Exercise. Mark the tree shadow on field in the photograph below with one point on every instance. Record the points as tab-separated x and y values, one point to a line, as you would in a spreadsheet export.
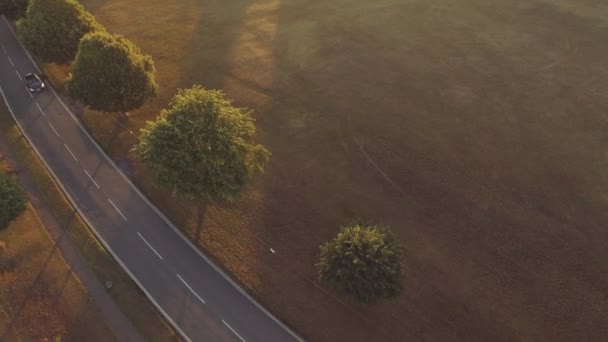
317	179
117	126
93	5
191	42
201	209
202	56
32	293
207	57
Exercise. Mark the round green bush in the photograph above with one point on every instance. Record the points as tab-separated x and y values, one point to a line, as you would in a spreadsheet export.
364	262
12	199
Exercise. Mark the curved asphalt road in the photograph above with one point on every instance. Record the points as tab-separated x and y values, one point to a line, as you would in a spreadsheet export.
201	301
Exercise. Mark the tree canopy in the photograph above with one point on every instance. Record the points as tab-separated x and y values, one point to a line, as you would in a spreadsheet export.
364	262
111	74
13	9
52	29
12	199
201	146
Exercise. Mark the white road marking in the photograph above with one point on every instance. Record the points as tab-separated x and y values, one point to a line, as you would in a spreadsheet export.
233	331
11	61
191	290
28	92
118	210
40	108
53	128
18	41
91	178
273	251
89	223
67	148
156	210
149	245
4	49
18	74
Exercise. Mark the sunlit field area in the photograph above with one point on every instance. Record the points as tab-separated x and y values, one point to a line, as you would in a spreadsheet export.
476	129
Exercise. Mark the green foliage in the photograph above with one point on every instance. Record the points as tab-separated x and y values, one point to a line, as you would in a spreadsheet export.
13	9
12	199
111	74
202	147
52	29
363	261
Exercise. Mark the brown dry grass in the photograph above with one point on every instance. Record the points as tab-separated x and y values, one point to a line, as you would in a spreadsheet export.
40	297
475	129
126	294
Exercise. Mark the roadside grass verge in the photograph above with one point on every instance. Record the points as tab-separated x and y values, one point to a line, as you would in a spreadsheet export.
40	297
124	292
56	74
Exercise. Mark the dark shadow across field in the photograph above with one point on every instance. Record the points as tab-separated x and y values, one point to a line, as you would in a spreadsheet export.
476	130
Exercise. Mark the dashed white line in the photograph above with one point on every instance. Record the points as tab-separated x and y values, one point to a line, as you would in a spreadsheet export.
4	49
91	178
11	61
149	245
28	92
233	331
18	74
145	199
191	290
118	210
67	148
54	130
105	244
40	108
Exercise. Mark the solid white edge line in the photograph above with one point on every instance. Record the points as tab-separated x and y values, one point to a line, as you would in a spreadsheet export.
40	108
91	226
10	61
191	290
233	331
150	246
26	52
118	210
91	178
158	212
53	128
18	75
67	148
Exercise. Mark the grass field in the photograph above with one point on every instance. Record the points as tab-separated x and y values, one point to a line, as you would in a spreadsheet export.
476	129
124	292
40	297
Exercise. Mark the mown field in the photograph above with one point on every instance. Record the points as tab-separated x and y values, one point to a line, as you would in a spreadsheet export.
40	297
475	129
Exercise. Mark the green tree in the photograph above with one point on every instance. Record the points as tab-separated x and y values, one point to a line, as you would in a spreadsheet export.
12	199
13	9
202	147
52	29
111	74
364	262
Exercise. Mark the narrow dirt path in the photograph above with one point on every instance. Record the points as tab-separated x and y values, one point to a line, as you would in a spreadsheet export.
116	320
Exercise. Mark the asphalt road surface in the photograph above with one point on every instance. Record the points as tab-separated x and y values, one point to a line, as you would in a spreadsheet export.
200	301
